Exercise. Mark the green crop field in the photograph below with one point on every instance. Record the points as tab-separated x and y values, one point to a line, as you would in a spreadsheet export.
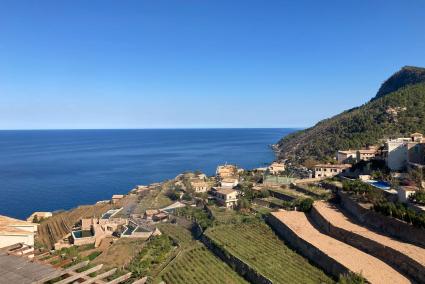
258	246
194	263
181	235
198	265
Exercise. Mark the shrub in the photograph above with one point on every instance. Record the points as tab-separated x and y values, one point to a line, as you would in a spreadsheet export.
352	278
305	205
401	212
187	197
418	197
172	194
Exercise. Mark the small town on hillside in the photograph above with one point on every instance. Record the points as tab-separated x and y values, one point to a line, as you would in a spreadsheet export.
358	219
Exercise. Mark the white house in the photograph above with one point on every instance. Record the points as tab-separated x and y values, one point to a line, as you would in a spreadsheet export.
14	231
229	182
401	151
404	192
329	170
276	168
226	197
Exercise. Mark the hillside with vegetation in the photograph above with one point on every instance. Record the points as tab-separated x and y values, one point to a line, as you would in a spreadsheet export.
397	110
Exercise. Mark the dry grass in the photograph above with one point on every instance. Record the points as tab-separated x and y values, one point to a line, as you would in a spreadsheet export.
59	225
120	253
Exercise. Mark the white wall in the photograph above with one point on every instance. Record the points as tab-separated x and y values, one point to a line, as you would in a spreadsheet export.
8	240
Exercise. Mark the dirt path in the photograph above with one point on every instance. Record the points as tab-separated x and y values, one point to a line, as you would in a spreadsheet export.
373	269
338	219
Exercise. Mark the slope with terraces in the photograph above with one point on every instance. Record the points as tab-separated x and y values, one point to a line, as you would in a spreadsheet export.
406	258
334	256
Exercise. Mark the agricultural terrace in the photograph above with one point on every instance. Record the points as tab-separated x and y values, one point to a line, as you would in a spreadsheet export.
198	265
59	225
153	257
316	191
153	199
194	263
179	234
120	253
289	192
224	216
257	245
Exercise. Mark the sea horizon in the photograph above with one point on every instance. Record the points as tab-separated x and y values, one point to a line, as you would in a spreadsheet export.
49	170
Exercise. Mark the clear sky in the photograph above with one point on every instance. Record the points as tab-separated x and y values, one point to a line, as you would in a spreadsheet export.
198	63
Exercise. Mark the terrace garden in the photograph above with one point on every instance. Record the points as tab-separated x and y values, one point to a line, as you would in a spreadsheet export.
256	244
199	265
194	263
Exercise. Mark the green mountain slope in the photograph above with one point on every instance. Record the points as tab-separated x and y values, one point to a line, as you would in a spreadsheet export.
398	109
408	75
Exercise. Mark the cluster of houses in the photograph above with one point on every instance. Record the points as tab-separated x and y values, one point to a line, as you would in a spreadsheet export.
400	154
94	230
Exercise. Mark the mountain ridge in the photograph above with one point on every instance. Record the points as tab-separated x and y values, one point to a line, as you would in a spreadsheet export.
397	109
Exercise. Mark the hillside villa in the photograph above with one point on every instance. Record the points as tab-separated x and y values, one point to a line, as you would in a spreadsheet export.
14	231
401	152
276	168
350	156
229	182
226	171
225	197
200	185
404	192
116	198
329	170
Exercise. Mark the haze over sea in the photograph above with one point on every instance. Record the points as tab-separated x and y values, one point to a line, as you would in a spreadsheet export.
47	170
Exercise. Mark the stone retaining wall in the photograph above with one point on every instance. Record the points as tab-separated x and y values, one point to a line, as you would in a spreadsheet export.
237	264
320	259
281	196
394	258
388	225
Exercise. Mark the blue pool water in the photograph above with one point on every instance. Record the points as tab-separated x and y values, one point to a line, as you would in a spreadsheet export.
60	169
380	184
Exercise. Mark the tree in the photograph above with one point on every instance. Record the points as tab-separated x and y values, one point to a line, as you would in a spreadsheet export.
243	203
35	219
187	196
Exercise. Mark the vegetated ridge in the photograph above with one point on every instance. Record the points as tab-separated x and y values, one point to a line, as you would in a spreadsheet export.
397	109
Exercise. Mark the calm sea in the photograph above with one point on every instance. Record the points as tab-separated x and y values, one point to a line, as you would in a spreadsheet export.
60	169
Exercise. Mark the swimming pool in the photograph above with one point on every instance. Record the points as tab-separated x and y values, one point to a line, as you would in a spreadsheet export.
82	234
380	184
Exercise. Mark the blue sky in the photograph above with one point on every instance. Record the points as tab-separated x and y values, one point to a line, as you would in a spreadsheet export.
183	64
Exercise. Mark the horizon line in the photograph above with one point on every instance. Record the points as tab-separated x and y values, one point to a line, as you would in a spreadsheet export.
158	128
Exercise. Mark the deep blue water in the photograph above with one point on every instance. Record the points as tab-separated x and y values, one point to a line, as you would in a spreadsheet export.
48	170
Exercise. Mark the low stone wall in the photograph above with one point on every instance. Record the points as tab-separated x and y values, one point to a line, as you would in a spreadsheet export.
304	191
237	264
394	258
391	226
316	256
281	196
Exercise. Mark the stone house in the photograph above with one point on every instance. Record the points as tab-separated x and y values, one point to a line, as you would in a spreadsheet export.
329	170
226	197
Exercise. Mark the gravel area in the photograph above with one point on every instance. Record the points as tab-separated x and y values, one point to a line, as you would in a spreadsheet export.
333	215
373	269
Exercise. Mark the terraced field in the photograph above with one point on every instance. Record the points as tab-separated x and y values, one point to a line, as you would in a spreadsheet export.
199	265
194	263
59	225
258	246
176	232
